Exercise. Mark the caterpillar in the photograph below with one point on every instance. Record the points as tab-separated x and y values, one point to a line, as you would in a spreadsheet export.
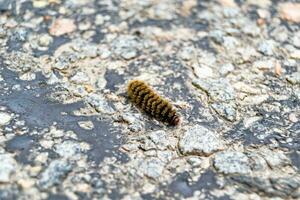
145	98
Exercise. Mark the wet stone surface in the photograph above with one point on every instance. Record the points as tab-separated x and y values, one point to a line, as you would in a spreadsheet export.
231	69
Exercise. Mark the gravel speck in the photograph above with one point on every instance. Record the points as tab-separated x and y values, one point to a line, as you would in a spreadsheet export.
88	125
5	118
45	40
266	47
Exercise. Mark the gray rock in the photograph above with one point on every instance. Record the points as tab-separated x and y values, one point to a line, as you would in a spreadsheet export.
274	158
203	71
230	162
217	36
67	149
45	40
198	140
99	103
104	53
65	59
52	79
222	93
258	163
187	53
280	33
99	19
7	167
266	47
166	156
20	35
251	29
249	121
126	46
226	110
5	118
21	62
6	5
159	138
163	11
87	125
297	93
147	145
232	31
89	50
296	39
264	64
54	173
273	187
28	76
217	89
194	161
129	54
246	53
227	68
135	127
230	42
155	140
230	12
80	77
294	78
135	124
152	167
85	49
2	32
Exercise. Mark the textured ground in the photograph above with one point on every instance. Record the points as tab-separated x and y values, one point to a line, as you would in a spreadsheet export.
68	131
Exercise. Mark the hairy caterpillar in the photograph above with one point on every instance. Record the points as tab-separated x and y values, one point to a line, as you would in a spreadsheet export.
150	102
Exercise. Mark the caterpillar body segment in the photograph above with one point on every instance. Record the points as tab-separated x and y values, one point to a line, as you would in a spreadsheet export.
145	98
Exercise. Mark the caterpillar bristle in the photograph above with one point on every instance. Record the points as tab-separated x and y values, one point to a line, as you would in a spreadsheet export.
144	97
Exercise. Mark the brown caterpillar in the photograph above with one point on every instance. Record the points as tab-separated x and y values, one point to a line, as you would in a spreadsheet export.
150	102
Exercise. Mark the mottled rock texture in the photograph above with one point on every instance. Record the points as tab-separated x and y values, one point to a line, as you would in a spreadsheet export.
230	68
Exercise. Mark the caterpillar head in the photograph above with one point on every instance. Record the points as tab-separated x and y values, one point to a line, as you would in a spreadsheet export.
175	120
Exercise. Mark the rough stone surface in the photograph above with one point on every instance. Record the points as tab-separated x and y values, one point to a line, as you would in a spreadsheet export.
230	68
199	140
230	162
218	90
54	173
4	118
153	168
7	167
99	103
294	78
68	149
